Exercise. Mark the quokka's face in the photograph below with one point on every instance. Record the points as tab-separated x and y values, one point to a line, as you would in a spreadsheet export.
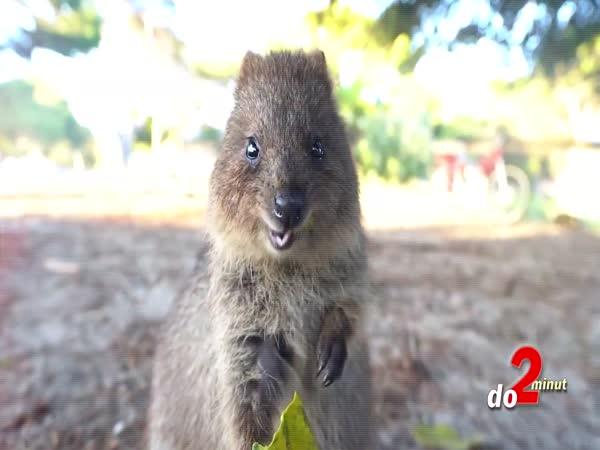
284	184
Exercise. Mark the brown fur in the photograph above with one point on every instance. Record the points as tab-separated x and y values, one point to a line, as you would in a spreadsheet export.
260	323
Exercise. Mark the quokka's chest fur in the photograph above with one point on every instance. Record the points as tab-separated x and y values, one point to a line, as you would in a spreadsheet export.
287	302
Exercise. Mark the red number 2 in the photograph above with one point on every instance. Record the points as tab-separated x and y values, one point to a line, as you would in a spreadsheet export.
535	368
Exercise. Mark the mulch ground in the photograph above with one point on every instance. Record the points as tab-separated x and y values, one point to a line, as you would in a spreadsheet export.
81	301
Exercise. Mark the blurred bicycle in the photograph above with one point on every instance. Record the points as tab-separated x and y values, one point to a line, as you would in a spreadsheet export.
505	187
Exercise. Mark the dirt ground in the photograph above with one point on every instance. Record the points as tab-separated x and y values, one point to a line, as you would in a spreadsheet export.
81	301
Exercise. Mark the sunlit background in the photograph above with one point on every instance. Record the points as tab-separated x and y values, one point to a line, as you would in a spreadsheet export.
475	125
132	96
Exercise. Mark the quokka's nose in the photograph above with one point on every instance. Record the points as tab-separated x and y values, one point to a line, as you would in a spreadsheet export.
288	208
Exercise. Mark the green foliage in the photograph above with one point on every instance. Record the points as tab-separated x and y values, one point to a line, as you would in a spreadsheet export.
215	70
389	135
210	134
401	17
541	208
386	148
48	123
351	30
440	437
72	31
143	132
390	141
584	73
588	58
75	28
293	432
51	126
72	4
391	122
339	29
462	128
83	24
550	40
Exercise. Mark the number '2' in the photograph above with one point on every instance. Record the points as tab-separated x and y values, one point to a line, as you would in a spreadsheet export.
535	368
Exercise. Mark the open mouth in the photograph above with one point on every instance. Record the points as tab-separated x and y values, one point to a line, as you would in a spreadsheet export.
281	240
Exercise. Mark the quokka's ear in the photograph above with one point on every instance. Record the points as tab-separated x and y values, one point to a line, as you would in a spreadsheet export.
318	62
319	58
250	65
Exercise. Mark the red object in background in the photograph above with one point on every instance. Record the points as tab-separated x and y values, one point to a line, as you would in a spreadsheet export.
488	162
452	164
455	165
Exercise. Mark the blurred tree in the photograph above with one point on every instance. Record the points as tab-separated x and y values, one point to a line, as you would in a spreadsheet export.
549	31
391	148
48	125
461	128
385	110
587	66
75	28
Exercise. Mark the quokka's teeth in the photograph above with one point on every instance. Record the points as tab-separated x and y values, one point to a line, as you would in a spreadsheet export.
282	240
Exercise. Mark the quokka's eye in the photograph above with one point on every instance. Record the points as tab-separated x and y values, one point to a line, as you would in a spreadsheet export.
252	150
318	149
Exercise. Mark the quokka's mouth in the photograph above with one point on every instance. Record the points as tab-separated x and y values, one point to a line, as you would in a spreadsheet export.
281	240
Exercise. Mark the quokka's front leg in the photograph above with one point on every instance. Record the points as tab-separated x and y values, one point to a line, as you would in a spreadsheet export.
256	382
332	346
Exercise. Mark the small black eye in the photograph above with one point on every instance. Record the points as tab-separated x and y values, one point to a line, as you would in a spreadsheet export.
252	150
318	149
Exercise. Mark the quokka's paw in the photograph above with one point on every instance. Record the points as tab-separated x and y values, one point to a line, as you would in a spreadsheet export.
331	357
271	361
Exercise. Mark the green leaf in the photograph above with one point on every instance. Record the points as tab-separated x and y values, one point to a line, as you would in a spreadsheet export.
440	437
293	432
